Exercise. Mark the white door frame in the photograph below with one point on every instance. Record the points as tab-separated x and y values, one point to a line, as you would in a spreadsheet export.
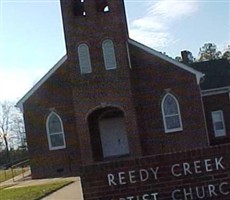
113	136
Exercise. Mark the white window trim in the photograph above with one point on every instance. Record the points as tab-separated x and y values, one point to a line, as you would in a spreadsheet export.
213	124
89	67
48	133
164	117
104	55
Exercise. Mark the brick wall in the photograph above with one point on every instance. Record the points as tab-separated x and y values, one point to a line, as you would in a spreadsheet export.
54	95
151	79
197	174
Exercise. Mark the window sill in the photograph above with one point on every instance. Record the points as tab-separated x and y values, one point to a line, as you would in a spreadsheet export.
220	136
108	69
56	148
174	130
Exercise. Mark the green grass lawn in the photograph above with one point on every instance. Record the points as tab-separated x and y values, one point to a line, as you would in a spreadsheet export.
7	174
31	192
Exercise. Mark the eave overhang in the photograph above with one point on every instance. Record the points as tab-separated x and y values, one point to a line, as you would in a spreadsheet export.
40	82
198	74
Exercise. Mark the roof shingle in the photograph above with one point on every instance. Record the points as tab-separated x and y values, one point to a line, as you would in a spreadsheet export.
217	73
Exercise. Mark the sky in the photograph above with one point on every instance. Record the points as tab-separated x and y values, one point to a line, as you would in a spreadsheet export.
32	39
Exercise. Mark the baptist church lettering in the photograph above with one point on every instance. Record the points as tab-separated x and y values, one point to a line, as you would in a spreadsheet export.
151	196
202	192
177	170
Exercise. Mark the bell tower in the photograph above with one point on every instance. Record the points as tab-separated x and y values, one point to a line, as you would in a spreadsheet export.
92	21
96	37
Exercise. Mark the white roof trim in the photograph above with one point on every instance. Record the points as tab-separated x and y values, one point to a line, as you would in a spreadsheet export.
215	91
40	82
198	74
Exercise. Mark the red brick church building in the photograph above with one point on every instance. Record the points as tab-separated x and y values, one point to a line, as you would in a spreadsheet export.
110	97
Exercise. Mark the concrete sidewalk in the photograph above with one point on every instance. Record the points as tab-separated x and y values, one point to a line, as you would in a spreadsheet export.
72	191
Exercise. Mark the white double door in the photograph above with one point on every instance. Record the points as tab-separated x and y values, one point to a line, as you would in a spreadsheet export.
113	137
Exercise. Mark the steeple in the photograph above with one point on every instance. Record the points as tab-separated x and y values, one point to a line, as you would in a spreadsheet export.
98	60
92	21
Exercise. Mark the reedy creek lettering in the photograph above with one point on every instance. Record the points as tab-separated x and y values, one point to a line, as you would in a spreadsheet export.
133	176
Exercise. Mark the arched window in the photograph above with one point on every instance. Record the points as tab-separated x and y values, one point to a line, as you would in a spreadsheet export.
171	113
55	132
84	59
109	55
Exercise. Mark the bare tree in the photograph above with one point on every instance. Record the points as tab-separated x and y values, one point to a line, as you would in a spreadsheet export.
5	125
19	129
11	124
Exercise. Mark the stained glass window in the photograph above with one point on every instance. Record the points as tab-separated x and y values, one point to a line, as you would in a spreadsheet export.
171	114
55	132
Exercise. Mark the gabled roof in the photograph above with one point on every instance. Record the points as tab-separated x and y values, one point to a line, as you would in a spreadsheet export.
40	82
198	74
217	73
